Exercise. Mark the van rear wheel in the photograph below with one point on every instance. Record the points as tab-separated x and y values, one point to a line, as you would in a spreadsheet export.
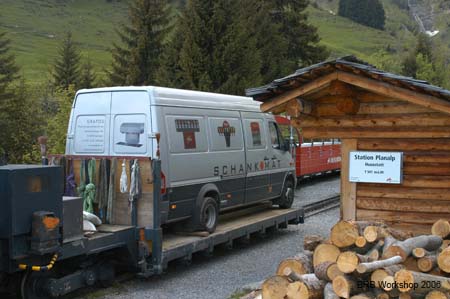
207	216
287	195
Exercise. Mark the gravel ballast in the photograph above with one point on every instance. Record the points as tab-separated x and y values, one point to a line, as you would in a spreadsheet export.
228	270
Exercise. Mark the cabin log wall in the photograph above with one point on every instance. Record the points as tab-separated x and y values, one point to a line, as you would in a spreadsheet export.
387	124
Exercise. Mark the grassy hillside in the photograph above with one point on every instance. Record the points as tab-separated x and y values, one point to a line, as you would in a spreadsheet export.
36	28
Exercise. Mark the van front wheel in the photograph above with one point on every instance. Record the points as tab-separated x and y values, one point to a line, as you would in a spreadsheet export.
209	215
287	195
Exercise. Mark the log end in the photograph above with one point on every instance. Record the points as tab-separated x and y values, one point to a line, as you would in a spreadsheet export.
405	280
341	287
347	262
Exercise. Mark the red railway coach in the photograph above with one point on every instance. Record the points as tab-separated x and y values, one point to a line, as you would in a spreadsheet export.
312	156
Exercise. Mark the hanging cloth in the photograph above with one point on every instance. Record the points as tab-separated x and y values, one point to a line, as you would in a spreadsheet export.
82	187
90	188
70	181
101	197
111	192
124	178
136	183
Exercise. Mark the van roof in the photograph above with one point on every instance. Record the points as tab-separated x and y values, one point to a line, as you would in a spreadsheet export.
186	98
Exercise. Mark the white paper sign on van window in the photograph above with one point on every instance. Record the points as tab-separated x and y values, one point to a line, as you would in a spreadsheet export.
90	134
376	167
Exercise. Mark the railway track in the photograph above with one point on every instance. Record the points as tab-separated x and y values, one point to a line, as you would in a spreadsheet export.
321	206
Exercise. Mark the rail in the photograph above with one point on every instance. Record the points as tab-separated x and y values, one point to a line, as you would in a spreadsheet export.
321	206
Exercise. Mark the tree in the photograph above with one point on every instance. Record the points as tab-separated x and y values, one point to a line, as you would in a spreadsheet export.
8	74
212	49
8	68
424	46
57	124
136	59
302	38
66	69
227	46
87	76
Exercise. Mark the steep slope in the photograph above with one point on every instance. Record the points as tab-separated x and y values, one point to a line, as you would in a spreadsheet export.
36	28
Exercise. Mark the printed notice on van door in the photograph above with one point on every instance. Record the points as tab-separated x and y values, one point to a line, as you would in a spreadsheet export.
90	134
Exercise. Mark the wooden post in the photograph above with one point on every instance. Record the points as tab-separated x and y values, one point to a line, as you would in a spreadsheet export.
348	189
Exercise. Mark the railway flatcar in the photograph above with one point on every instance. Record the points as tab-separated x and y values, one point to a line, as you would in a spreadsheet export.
312	156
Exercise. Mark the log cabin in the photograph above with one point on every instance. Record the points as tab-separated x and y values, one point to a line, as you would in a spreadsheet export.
372	110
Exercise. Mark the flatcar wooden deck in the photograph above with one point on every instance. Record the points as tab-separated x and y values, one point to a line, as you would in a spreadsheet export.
231	226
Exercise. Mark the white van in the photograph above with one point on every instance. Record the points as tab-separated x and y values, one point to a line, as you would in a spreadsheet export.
217	151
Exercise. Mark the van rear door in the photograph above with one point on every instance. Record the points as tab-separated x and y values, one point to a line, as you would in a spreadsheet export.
130	123
88	132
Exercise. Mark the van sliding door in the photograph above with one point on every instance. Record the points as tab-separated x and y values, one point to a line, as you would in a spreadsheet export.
258	176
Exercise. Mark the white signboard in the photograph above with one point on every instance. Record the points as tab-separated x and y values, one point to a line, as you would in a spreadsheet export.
376	167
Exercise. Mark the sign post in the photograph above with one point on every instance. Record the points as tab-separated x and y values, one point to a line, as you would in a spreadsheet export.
376	167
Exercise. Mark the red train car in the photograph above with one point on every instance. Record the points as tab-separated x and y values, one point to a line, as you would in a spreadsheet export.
312	156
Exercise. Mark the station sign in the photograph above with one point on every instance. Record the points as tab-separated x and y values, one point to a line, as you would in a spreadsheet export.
376	167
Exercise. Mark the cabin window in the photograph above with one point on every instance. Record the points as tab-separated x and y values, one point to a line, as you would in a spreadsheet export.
225	134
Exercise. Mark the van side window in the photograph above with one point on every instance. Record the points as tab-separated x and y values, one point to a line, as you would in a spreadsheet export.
186	134
255	133
274	135
225	134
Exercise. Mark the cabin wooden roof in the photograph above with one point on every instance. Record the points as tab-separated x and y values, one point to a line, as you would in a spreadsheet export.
306	82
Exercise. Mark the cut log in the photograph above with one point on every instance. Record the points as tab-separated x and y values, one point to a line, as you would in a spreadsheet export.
325	253
419	252
441	228
344	233
307	286
275	287
374	252
324	271
388	283
371	233
404	248
361	242
444	260
411	264
427	263
328	292
420	282
327	271
379	275
296	277
300	264
345	286
437	295
310	242
388	241
371	266
349	260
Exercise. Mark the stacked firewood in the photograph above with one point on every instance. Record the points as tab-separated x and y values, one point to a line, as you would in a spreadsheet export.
365	260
